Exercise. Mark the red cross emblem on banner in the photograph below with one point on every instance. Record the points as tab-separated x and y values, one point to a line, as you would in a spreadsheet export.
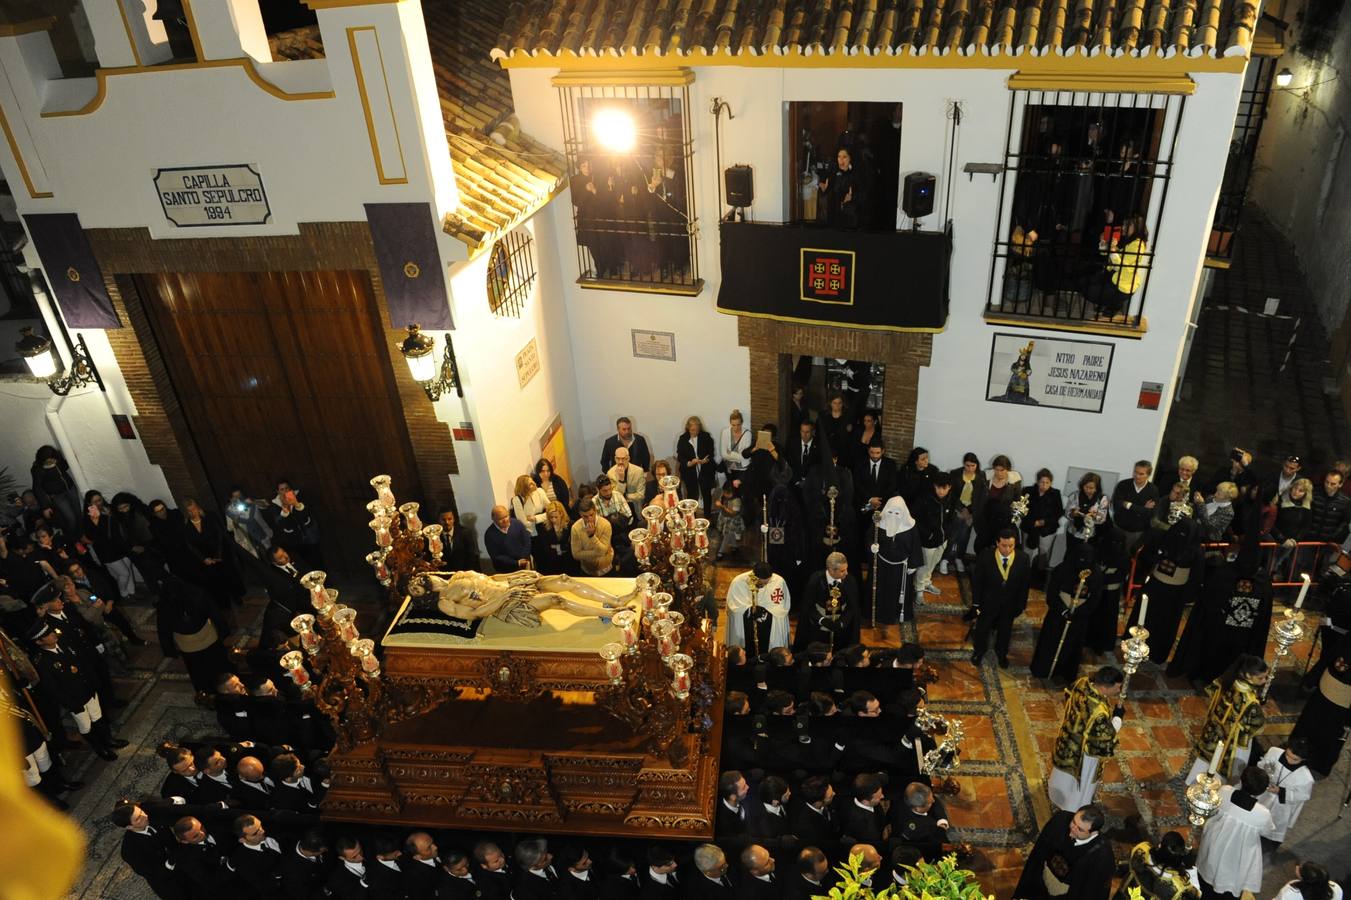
828	275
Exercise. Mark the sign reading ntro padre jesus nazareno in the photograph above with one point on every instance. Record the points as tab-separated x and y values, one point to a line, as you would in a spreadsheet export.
197	196
1040	371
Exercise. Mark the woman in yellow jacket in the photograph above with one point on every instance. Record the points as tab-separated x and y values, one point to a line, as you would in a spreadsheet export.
1128	260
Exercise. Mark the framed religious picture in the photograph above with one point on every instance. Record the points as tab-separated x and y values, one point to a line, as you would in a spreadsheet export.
1040	371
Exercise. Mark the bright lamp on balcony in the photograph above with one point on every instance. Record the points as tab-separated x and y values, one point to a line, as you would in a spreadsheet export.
419	351
615	130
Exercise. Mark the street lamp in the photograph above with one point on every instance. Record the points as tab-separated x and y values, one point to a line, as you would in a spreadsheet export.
37	353
419	351
1284	77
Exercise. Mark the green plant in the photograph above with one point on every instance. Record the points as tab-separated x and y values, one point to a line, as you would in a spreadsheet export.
927	881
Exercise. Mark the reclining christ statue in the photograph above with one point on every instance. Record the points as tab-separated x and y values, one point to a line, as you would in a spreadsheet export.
515	597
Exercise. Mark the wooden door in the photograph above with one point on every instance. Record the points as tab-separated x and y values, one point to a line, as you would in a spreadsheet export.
286	375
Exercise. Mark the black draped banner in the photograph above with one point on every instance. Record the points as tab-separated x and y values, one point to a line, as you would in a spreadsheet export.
891	280
72	271
404	235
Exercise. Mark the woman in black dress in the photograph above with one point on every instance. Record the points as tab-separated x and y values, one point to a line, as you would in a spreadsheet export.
553	543
214	552
694	454
555	488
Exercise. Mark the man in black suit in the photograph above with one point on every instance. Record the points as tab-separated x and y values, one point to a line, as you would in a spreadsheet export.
621	877
817	621
287	598
874	483
767	821
624	436
256	858
810	875
999	583
709	881
293	789
729	821
861	819
421	869
459	546
803	452
661	882
1133	503
197	860
812	817
758	881
384	871
455	881
921	821
145	850
347	881
536	878
304	867
493	876
253	789
575	880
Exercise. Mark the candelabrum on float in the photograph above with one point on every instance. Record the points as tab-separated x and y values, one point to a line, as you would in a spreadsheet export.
1288	632
1203	794
1135	649
660	672
336	668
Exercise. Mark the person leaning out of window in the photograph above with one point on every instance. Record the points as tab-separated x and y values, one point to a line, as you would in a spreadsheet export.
1128	258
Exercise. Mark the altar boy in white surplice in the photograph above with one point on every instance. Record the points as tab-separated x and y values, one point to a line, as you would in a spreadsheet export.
1230	860
1291	784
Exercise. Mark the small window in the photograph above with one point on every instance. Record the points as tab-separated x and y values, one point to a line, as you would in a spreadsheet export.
629	150
1089	174
865	137
511	273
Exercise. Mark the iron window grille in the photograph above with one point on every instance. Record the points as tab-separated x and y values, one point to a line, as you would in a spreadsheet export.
511	273
1078	166
1252	113
633	211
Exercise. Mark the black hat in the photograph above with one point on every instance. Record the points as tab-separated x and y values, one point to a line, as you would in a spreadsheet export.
38	630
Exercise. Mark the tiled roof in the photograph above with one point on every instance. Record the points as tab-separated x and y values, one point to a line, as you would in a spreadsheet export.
503	175
849	28
299	43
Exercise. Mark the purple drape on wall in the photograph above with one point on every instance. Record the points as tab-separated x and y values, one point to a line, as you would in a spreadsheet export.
404	235
72	271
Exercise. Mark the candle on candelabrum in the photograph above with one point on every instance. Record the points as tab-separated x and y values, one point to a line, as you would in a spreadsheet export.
1303	590
410	517
626	620
433	535
614	668
670	485
1134	651
376	560
680	664
304	626
383	493
294	664
364	650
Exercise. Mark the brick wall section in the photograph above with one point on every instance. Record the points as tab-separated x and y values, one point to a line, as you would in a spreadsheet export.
319	246
903	354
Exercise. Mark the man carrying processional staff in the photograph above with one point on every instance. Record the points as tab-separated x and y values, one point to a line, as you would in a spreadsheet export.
1088	735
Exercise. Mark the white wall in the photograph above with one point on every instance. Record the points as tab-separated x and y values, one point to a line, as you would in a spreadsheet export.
508	419
953	415
314	155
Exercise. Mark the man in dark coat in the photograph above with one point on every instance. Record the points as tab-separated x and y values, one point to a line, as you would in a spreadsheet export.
304	867
287	598
624	436
145	850
803	452
861	821
1071	596
999	584
818	620
459	545
1133	502
812	817
1071	856
256	858
709	881
1232	617
875	480
758	881
920	820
